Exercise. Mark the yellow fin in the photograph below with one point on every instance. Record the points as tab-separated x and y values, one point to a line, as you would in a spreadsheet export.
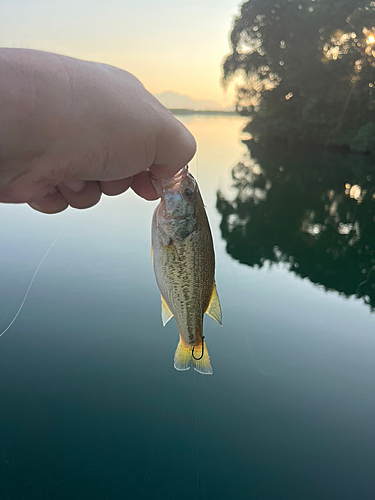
214	308
201	363
166	314
182	356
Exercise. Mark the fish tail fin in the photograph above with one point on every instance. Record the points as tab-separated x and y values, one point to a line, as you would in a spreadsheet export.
182	356
201	359
185	353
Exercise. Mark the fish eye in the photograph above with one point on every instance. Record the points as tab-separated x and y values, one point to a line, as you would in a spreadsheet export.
188	193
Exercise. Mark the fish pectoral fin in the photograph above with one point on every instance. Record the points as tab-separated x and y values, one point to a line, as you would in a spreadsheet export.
175	250
165	239
182	356
166	313
214	308
201	360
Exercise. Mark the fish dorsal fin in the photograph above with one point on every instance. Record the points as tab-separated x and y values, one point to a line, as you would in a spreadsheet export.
166	314
214	308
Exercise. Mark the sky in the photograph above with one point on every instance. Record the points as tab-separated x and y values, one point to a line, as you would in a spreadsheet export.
170	45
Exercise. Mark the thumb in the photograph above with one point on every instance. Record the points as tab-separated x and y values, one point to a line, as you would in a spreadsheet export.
175	148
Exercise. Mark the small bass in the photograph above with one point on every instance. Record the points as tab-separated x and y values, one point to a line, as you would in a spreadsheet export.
184	264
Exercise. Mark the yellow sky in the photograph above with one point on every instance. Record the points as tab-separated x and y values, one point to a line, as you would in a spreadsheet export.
170	45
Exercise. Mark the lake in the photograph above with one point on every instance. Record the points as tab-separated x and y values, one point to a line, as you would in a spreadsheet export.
91	406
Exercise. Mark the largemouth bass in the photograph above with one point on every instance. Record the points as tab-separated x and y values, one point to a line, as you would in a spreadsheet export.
184	264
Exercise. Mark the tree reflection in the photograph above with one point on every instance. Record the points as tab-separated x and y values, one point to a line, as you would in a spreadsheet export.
313	210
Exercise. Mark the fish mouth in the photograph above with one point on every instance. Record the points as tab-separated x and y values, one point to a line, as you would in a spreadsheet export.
162	185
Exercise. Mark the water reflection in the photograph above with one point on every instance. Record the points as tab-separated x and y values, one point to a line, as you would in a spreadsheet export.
312	209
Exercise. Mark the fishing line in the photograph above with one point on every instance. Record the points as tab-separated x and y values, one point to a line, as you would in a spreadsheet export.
199	439
196	161
148	476
19	287
196	436
31	282
203	461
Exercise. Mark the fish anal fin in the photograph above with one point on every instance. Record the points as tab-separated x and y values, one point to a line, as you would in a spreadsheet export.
182	356
166	313
214	308
201	361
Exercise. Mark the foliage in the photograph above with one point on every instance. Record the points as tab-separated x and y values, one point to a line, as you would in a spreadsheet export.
365	139
311	209
308	68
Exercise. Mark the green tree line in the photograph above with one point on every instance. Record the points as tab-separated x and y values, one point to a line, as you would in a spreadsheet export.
306	70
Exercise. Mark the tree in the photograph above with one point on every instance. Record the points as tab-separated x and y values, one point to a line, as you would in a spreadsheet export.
308	70
313	210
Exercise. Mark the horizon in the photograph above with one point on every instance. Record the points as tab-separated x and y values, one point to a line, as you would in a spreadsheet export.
175	100
169	47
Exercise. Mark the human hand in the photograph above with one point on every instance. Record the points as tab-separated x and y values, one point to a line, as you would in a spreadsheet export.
71	130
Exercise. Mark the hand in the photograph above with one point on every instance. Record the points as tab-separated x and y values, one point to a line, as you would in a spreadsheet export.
71	130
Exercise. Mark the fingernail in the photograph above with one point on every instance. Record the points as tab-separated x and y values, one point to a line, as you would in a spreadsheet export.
75	185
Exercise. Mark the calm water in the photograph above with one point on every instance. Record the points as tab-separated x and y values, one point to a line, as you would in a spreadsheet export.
91	407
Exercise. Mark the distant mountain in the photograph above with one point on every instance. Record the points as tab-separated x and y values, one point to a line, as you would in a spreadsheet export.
172	100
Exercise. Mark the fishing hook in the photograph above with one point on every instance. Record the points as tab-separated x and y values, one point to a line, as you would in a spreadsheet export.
192	351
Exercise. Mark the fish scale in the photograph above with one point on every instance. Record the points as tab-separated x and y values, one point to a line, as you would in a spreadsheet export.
184	266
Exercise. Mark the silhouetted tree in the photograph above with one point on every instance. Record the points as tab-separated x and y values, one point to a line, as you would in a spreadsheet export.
308	70
313	210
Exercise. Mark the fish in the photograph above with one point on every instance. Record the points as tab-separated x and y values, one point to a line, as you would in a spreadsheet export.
183	260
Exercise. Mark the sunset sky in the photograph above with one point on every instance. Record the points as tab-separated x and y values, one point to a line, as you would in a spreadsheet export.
169	45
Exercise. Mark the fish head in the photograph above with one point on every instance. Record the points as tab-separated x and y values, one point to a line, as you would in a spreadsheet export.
177	211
